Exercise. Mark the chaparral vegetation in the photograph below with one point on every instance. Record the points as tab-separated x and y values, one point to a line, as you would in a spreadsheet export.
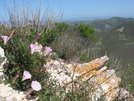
31	38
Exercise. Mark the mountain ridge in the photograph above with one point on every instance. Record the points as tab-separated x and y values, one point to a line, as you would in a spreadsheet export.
102	24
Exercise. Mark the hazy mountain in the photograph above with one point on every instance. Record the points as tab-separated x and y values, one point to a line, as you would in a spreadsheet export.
86	18
120	41
102	24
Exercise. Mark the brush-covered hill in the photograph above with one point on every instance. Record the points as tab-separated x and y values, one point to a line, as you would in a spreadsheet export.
102	24
116	39
120	41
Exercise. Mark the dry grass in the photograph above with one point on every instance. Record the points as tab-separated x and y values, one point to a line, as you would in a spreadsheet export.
73	47
21	15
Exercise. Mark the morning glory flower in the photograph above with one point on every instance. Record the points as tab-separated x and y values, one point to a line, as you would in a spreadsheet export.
43	69
31	21
37	37
5	38
26	75
3	23
34	48
16	77
47	50
36	86
11	33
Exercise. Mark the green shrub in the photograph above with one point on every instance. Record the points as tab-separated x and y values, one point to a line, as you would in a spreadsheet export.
20	59
86	31
61	27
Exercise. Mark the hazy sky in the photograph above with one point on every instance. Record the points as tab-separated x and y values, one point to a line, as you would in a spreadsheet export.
83	8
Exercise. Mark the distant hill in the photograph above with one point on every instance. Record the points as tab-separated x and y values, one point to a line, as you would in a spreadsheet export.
120	41
116	37
102	24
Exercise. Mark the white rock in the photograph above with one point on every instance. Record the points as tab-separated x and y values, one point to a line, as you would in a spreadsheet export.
2	52
1	76
105	86
16	95
2	55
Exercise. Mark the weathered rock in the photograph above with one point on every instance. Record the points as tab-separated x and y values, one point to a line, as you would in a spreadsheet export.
102	81
120	29
2	57
2	62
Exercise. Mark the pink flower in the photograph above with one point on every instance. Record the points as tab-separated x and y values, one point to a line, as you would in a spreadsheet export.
43	69
5	38
47	50
11	33
31	21
34	48
35	87
37	37
16	77
3	23
26	75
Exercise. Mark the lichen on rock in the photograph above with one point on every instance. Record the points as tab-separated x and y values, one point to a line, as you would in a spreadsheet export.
102	81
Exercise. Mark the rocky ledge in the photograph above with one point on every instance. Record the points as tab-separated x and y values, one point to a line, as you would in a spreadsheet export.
102	81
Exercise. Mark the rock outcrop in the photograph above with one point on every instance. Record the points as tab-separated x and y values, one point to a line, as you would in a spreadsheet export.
120	29
101	81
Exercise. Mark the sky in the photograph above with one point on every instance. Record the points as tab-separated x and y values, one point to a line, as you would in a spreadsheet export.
81	8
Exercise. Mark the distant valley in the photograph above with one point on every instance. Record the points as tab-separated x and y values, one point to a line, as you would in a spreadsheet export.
116	40
116	36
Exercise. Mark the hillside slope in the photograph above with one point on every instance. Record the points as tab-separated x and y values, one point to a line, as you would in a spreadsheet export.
120	41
